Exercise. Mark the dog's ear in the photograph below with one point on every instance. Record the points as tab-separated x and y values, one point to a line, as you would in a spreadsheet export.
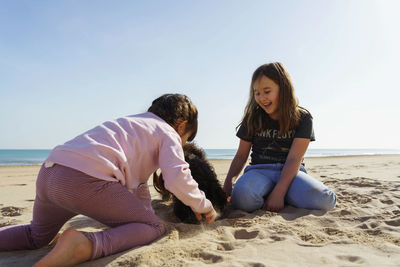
192	149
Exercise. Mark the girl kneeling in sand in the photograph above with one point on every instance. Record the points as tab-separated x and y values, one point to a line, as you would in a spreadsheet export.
103	174
278	131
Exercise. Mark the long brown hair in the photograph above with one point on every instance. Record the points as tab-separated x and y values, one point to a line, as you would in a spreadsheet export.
174	108
255	118
158	183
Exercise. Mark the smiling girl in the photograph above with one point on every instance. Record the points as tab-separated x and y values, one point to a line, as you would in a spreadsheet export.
278	131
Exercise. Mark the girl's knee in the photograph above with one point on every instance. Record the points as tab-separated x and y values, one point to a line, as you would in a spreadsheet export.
330	200
327	200
314	199
245	199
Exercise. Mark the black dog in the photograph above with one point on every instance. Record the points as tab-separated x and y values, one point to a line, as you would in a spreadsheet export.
203	173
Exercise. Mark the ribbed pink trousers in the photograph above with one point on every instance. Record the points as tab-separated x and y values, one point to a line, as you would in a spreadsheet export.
62	193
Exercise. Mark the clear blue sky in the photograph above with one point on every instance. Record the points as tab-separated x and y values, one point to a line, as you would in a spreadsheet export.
67	66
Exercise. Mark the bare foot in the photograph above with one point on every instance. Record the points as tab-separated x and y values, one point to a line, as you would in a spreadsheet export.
72	248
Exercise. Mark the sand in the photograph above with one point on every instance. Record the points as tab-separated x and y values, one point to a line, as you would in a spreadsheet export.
363	229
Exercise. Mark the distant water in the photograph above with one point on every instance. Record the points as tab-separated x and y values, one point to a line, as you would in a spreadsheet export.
23	156
37	156
318	152
230	153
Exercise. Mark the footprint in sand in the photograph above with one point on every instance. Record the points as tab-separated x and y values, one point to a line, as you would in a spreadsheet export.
365	218
360	199
366	226
354	259
374	224
359	166
386	201
277	238
363	226
332	231
244	234
255	264
226	246
11	211
209	257
236	214
396	212
393	222
374	232
344	212
376	192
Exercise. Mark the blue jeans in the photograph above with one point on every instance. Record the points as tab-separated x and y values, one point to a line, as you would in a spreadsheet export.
257	181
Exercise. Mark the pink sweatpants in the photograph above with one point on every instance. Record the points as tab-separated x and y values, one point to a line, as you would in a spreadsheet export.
62	193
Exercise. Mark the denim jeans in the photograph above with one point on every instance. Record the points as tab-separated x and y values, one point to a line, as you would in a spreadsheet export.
257	181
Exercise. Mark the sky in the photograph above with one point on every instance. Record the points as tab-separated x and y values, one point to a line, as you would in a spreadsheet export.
67	66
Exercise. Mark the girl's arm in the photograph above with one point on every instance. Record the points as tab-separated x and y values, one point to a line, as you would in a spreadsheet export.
177	177
276	199
237	165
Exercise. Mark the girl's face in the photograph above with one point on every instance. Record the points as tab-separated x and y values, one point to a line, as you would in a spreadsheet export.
266	94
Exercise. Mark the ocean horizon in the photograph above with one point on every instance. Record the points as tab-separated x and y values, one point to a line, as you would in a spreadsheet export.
12	157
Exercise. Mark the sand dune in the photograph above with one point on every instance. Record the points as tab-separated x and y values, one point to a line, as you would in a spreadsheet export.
363	229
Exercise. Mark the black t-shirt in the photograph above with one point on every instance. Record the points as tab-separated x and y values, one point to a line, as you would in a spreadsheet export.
268	146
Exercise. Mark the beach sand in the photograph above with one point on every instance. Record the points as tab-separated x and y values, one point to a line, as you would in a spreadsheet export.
363	229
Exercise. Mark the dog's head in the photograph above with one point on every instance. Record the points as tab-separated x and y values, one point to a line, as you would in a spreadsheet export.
192	151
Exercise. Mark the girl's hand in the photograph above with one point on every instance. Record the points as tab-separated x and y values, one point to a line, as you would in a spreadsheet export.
275	201
210	216
228	187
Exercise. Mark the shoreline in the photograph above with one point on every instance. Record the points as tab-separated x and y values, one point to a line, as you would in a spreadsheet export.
222	160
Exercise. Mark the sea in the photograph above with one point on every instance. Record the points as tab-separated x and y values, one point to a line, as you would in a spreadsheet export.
9	157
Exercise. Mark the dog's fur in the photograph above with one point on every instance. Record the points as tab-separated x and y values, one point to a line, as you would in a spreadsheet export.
203	173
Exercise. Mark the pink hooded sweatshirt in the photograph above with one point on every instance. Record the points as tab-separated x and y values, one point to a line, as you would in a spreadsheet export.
129	150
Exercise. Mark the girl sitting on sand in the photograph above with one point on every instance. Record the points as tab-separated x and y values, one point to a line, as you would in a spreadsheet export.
103	174
278	131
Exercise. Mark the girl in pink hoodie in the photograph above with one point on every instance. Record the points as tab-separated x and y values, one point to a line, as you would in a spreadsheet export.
103	174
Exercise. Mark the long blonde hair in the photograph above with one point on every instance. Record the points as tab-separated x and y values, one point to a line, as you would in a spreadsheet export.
255	118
